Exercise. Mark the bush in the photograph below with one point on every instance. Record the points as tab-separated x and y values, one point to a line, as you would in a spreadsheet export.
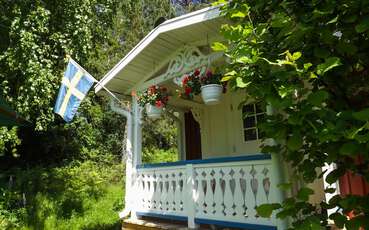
154	155
78	196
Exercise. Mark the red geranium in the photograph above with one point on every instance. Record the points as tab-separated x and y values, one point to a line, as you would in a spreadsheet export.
188	91
154	95
185	80
159	104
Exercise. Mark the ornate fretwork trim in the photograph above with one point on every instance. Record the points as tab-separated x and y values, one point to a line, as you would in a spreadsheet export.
186	60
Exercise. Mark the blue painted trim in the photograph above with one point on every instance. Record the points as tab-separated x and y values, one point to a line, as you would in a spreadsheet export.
254	157
169	217
235	224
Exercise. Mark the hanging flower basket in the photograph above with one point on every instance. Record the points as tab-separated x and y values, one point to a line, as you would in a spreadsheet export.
153	111
211	94
154	99
208	84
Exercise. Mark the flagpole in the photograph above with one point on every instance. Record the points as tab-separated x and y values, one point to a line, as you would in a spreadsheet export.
96	81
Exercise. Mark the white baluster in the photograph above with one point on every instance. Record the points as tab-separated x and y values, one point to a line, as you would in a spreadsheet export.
201	192
149	190
157	192
238	196
208	200
250	198
170	196
218	194
177	192
228	199
163	194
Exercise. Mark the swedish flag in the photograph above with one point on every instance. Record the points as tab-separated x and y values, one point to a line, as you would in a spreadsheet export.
75	85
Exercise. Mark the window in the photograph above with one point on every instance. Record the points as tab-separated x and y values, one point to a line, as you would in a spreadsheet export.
252	113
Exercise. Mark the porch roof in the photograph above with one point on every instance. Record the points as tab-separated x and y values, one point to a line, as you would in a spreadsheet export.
155	50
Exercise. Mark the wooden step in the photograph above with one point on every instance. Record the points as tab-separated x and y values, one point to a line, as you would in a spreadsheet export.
151	224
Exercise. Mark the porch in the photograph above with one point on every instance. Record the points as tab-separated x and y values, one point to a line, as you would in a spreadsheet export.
222	176
219	191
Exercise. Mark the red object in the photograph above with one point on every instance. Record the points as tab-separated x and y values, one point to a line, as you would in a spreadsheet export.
188	90
185	80
354	184
152	89
159	104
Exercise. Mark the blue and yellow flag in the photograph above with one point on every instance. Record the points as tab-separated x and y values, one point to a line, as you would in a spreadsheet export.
75	85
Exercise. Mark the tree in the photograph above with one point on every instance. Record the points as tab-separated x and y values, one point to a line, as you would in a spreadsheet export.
36	36
309	60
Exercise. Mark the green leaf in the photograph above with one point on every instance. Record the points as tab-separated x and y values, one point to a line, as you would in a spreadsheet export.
304	193
307	66
363	115
329	64
339	219
349	148
296	55
334	20
240	83
244	60
330	190
218	46
294	142
362	26
238	14
318	97
266	210
226	78
333	176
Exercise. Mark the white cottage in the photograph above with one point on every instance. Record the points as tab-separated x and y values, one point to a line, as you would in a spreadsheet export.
221	175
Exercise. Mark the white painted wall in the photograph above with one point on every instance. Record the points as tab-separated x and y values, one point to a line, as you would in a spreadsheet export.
222	129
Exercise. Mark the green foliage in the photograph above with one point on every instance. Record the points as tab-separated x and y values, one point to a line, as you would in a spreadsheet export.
159	134
36	36
9	140
78	196
308	60
155	155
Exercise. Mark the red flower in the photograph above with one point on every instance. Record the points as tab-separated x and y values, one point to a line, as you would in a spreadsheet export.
159	104
197	72
185	80
152	90
188	90
209	73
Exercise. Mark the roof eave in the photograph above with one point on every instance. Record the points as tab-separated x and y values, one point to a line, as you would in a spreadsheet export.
172	24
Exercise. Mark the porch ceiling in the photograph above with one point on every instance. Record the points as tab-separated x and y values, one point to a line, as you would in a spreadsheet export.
149	55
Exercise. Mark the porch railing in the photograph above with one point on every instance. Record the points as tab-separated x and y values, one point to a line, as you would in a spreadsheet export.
221	191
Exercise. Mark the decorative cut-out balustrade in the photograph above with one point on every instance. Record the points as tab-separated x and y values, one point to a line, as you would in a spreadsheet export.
208	190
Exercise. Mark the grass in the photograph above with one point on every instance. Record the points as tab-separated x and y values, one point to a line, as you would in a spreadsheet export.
100	213
80	196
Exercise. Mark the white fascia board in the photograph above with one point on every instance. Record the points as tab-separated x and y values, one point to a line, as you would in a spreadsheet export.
172	24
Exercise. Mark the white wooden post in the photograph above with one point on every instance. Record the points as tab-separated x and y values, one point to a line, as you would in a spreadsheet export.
129	151
189	197
137	151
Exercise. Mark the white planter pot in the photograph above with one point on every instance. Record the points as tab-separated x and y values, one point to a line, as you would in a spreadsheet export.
153	112
211	94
